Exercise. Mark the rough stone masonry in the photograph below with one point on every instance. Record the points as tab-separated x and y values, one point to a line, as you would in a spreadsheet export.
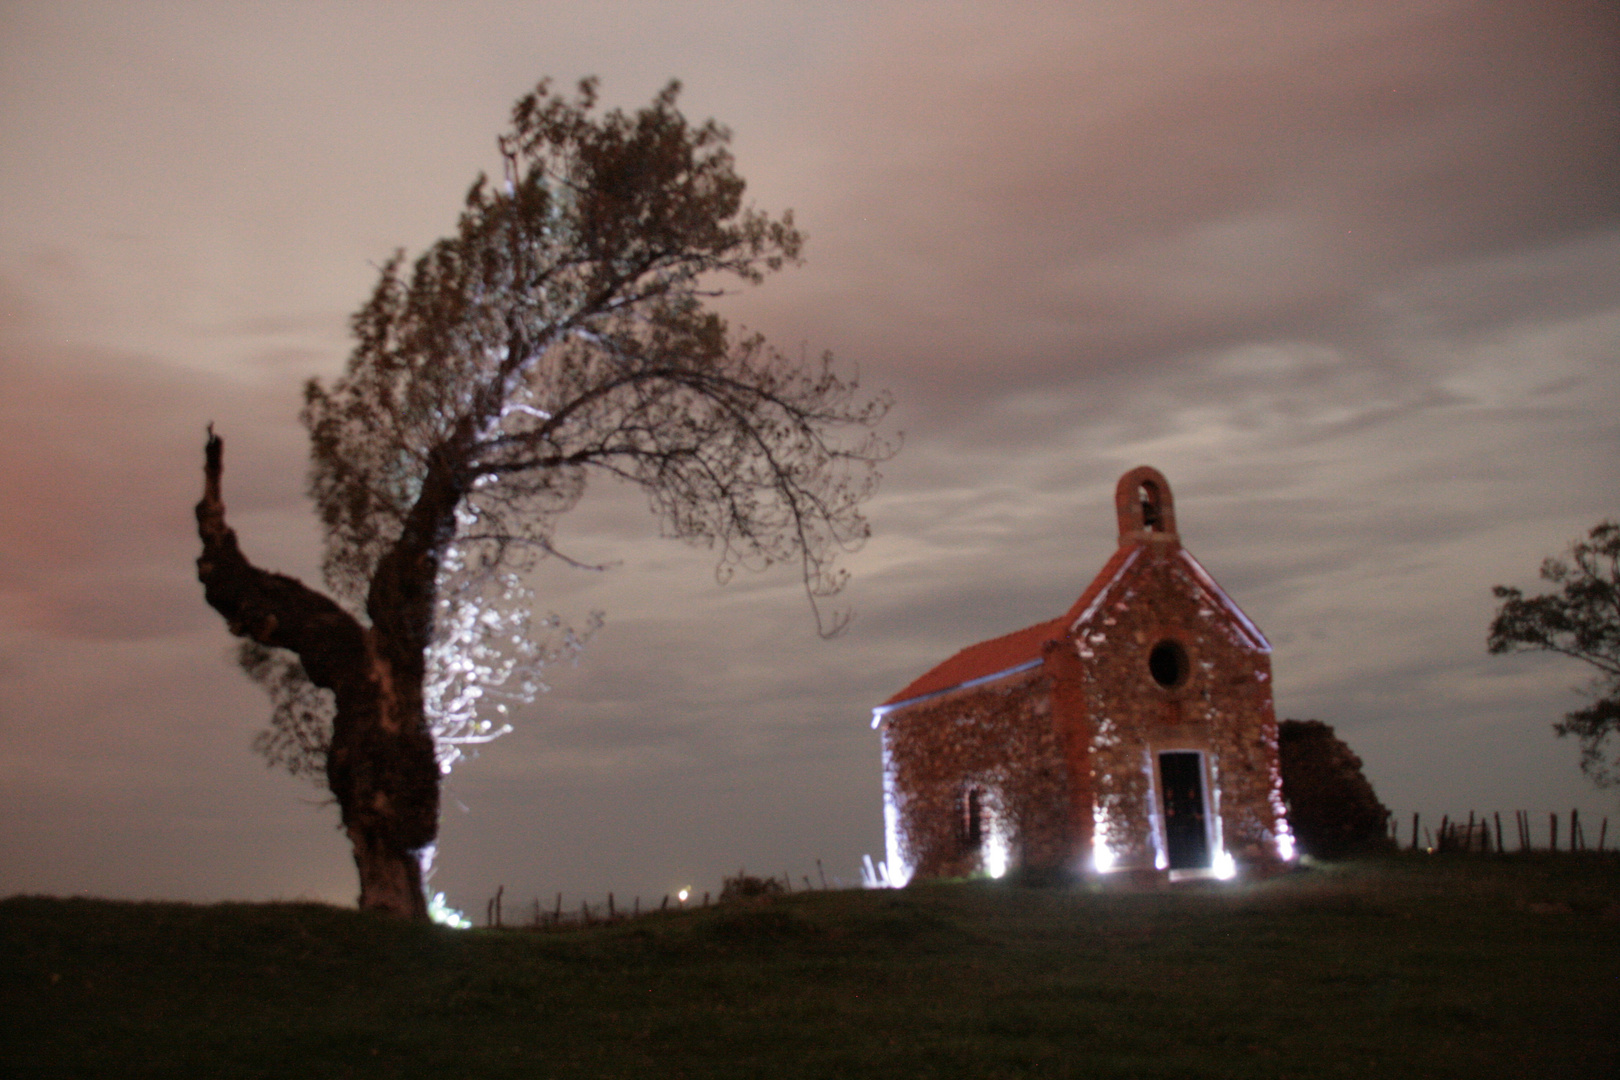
1135	732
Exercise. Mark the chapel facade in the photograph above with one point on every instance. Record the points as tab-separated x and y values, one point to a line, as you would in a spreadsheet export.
1134	732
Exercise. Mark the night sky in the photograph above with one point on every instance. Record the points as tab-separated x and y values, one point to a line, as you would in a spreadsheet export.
1347	273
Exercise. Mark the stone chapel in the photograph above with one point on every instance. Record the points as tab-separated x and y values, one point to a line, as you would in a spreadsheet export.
1134	732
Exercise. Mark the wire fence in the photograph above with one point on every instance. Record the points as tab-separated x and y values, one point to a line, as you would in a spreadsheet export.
1486	833
556	915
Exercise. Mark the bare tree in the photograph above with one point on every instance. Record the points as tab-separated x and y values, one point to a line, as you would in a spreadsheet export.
1582	621
561	332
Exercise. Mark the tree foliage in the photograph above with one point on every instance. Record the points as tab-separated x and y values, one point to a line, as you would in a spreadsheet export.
561	333
299	734
1332	807
1581	620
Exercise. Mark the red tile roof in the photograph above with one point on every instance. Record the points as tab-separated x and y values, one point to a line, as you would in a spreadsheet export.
985	658
1000	654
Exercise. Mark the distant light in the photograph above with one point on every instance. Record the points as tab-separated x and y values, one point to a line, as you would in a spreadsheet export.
1285	846
683	894
1103	857
1225	867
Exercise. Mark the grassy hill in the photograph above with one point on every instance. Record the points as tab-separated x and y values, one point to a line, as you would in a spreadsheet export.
1437	966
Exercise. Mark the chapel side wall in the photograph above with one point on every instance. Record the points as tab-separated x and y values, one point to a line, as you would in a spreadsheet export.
999	736
1222	708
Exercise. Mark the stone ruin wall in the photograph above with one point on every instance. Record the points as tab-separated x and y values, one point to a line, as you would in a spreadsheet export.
1222	707
999	736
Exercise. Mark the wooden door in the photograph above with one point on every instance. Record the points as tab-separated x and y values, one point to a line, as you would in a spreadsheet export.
1186	832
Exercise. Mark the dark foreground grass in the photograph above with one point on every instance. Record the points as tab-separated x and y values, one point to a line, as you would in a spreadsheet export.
1464	966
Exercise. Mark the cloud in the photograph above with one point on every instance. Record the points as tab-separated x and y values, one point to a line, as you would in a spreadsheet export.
1134	188
104	452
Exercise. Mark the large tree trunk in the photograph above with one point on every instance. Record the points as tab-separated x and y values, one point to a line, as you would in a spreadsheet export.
381	765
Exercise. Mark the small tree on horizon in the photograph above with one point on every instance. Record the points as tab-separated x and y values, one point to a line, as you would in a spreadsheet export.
1582	621
560	334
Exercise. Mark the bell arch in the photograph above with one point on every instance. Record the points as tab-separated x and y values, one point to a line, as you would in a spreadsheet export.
1146	509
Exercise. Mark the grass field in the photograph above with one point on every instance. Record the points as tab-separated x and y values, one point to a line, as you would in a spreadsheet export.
1421	966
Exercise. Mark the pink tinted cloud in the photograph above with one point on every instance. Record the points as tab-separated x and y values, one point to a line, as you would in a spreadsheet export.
103	457
1121	188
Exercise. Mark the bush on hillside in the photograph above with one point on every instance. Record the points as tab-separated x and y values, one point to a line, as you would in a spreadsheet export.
1331	806
744	887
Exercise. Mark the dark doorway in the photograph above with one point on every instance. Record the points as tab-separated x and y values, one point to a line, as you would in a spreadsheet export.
1185	833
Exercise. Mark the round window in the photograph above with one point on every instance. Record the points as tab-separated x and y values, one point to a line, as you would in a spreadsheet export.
1167	663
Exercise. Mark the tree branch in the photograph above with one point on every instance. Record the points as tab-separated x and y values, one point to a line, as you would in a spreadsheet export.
272	609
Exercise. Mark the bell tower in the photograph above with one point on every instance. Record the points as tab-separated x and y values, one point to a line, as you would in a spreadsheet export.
1145	507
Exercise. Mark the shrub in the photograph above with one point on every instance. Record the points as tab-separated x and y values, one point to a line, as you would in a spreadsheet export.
1331	806
744	887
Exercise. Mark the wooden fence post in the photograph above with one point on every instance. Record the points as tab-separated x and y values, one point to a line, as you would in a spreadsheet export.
1414	830
1500	850
492	910
1552	824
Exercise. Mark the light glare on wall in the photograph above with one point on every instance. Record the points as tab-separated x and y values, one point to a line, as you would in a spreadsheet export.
995	853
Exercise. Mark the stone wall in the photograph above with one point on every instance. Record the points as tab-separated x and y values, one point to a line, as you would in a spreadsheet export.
999	736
